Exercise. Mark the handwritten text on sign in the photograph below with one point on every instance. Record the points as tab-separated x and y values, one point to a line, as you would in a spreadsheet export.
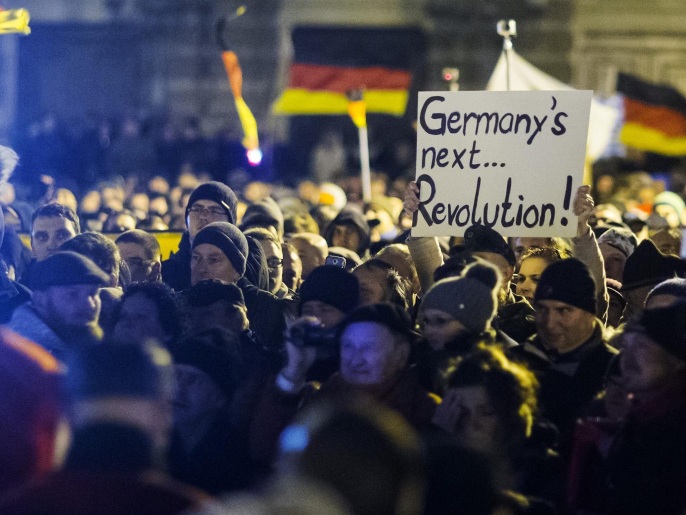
508	160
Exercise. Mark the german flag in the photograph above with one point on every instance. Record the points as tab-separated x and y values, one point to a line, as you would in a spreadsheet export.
329	61
654	117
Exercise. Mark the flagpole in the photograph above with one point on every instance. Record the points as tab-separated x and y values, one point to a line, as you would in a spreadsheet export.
508	30
357	109
366	170
452	76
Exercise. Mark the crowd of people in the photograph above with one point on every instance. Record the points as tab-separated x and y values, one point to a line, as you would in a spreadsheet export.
301	352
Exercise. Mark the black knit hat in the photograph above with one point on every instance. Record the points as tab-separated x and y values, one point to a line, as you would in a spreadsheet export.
141	371
454	265
648	266
216	192
333	286
479	238
395	318
229	239
667	327
567	281
66	268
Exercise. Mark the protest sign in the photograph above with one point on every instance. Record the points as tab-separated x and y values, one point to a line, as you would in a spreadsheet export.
508	160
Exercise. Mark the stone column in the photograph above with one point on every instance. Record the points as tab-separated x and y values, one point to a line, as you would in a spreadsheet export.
8	85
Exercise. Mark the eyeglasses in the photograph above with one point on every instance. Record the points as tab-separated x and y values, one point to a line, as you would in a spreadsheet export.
275	262
137	262
214	212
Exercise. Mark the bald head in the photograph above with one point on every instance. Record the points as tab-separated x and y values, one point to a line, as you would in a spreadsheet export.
312	250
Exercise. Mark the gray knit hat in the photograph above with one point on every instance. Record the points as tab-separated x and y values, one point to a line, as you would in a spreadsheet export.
229	239
621	238
470	298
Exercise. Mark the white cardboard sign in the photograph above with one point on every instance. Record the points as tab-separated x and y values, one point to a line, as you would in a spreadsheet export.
509	160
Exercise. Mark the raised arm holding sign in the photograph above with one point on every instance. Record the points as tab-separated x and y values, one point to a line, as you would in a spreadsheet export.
508	160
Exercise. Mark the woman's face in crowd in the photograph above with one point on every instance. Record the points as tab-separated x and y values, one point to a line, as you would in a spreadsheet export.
439	328
139	321
478	425
521	245
527	279
371	285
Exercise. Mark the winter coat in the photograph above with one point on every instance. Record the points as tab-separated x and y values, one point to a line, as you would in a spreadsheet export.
568	382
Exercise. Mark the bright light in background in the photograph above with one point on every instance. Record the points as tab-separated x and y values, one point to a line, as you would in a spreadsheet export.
254	156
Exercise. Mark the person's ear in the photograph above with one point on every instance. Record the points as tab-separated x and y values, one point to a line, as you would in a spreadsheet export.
156	271
509	274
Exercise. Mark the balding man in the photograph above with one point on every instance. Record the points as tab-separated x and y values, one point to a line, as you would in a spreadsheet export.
312	249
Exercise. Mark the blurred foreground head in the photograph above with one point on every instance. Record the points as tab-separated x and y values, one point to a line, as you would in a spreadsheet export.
363	451
30	407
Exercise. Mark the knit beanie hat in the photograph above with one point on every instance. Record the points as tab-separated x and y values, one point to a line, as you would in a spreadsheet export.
667	327
454	265
568	281
229	239
333	286
216	192
620	238
479	238
66	268
263	213
671	199
647	265
470	298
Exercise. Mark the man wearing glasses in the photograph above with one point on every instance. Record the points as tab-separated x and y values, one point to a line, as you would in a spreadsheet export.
141	251
274	255
209	202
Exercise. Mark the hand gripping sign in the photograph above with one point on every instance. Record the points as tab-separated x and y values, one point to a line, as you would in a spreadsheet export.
508	160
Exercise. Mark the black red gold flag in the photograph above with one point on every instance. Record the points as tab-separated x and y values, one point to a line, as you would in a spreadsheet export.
330	61
654	116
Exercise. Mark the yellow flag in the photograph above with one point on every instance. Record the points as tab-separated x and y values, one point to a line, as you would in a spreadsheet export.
235	75
357	108
14	21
